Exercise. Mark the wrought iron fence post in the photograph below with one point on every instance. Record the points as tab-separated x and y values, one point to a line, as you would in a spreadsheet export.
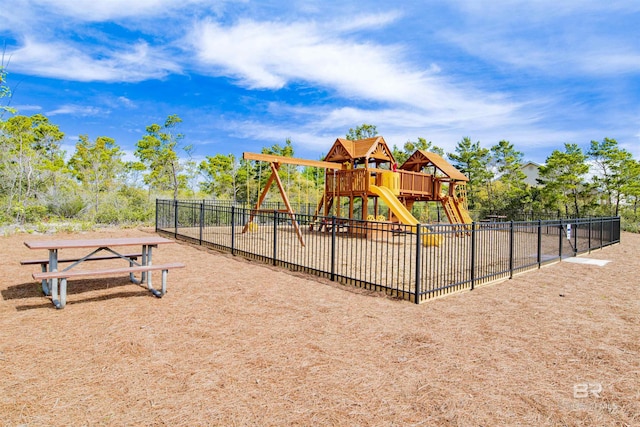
589	236
233	230
333	248
157	206
418	263
539	243
511	250
560	230
601	231
201	220
175	218
275	236
473	255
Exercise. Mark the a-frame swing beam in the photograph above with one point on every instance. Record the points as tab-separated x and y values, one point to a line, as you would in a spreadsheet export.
275	177
290	161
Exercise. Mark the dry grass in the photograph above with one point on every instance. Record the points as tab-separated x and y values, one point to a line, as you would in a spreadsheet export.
238	343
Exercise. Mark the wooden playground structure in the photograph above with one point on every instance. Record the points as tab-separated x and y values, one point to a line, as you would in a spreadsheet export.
366	170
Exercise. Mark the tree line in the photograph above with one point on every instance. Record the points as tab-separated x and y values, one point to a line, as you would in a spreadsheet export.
604	180
40	182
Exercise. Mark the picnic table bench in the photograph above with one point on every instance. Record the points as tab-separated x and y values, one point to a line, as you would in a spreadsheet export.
44	263
54	281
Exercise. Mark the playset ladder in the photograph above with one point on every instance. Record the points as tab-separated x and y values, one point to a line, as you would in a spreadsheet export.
449	206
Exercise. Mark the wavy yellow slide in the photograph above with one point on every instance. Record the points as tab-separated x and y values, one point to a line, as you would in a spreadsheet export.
403	214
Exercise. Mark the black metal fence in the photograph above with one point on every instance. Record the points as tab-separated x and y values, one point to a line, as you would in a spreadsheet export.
412	262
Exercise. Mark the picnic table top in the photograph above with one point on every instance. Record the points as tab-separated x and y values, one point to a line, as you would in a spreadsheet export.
96	243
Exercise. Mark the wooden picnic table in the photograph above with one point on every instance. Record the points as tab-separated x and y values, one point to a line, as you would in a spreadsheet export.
50	274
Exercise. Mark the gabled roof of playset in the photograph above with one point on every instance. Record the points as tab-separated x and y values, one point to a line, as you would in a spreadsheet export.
344	150
421	159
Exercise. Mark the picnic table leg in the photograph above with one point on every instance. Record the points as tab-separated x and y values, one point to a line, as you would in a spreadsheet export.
63	294
146	260
160	293
155	292
132	277
45	282
54	295
53	283
145	276
148	274
164	281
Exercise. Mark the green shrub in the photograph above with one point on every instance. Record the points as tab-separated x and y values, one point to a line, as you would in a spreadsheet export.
67	207
35	213
126	206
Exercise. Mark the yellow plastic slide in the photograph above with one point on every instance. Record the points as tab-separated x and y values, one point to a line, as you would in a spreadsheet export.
403	214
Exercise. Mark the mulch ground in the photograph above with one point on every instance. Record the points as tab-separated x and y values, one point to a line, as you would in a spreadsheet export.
236	343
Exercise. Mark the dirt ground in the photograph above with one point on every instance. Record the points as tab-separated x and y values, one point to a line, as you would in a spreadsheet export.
236	343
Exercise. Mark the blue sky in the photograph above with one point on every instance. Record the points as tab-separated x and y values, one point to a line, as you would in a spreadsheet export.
243	75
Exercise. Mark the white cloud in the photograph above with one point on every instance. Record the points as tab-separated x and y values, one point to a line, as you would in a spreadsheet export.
556	38
69	148
124	101
633	147
76	110
317	128
301	136
65	61
571	54
10	19
270	55
105	10
363	22
314	128
542	10
608	60
24	108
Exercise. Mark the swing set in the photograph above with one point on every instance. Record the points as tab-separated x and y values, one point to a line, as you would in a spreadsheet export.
274	163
